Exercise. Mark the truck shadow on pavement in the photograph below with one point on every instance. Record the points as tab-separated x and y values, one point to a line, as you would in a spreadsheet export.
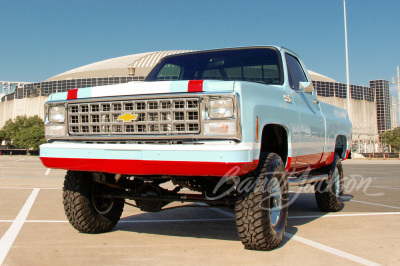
205	222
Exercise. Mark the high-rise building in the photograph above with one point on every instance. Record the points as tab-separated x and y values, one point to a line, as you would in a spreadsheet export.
383	104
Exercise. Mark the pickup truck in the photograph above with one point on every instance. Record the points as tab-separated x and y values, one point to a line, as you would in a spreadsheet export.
235	126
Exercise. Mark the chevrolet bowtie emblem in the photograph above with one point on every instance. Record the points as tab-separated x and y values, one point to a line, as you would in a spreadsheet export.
127	117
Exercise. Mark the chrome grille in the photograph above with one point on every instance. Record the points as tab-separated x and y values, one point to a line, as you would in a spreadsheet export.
155	116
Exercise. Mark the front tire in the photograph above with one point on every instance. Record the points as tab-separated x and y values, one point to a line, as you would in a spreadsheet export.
87	209
329	193
261	214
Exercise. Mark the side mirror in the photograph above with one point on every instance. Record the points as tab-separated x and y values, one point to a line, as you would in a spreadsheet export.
306	86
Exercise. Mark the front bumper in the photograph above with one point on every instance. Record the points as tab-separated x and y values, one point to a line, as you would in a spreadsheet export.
150	159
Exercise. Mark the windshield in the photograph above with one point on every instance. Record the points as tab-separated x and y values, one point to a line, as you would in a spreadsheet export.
261	65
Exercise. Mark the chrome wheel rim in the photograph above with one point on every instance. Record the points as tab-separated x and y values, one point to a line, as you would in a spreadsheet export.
275	201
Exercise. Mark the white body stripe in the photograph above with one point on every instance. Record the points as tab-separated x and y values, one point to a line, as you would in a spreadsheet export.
225	153
132	88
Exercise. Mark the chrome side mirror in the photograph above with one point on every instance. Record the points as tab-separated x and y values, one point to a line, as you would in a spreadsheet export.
306	86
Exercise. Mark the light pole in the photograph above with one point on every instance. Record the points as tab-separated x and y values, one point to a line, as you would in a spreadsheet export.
398	92
347	61
395	104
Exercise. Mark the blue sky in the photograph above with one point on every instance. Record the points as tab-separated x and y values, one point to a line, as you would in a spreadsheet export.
40	39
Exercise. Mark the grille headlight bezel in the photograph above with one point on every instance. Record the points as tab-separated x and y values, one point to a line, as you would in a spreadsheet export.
227	130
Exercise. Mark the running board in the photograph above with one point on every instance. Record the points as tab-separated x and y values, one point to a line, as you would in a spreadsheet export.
309	180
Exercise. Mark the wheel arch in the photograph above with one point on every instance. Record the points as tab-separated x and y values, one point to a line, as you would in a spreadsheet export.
341	146
274	138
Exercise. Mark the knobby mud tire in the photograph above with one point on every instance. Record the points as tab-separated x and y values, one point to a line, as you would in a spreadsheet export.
79	204
257	228
329	193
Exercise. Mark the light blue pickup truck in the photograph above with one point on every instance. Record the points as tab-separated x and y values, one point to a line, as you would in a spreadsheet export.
236	126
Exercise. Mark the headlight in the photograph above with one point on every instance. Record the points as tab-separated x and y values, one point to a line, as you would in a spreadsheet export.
220	108
57	114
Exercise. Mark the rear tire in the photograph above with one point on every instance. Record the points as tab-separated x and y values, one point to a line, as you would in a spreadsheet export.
329	193
261	214
86	210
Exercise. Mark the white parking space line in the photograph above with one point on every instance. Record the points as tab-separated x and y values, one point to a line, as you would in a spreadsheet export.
33	177
177	220
22	167
376	204
394	188
46	221
344	215
132	221
313	243
365	202
330	250
227	213
47	171
219	219
16	188
8	238
30	188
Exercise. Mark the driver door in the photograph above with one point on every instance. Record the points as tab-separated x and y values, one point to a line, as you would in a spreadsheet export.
312	122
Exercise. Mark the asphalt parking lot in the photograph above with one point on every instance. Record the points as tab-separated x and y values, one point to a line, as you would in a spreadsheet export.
34	229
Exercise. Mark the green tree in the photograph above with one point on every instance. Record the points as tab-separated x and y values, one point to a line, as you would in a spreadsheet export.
391	137
24	132
2	137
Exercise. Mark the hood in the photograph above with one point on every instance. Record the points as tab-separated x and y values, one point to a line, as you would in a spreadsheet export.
146	88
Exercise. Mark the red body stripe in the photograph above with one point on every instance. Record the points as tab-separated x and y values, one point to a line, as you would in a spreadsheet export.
195	86
178	168
328	157
289	161
294	166
72	94
139	167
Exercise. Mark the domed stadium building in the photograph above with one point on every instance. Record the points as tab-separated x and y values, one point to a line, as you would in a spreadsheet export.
371	108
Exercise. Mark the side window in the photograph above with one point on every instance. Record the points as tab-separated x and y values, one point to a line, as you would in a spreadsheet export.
296	73
169	72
